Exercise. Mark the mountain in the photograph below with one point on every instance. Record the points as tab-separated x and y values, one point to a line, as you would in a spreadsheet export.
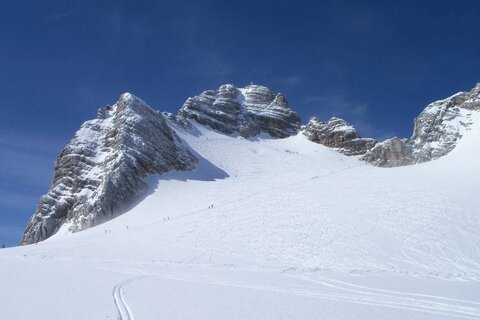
437	129
339	134
103	170
230	211
247	111
266	228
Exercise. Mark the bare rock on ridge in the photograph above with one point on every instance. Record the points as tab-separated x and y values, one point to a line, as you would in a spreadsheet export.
338	134
102	170
248	111
437	130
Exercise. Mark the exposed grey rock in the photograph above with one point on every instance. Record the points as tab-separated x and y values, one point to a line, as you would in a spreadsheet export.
339	134
438	128
178	120
102	170
436	132
393	152
247	111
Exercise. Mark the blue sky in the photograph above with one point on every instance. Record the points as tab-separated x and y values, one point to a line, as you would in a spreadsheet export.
375	63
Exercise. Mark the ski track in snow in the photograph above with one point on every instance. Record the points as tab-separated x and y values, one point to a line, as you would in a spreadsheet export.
344	292
124	311
387	243
396	299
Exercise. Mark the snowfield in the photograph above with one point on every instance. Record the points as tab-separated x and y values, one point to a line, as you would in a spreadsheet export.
269	229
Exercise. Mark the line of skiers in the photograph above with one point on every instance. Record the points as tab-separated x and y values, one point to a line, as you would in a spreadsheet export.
107	231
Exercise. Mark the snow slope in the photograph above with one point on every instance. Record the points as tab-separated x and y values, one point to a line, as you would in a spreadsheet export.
297	231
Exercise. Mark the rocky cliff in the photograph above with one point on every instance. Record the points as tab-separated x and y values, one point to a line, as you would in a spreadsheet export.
436	132
247	111
438	128
102	170
338	134
393	152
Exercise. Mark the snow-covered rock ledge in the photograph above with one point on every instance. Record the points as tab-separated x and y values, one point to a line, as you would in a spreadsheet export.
102	170
437	130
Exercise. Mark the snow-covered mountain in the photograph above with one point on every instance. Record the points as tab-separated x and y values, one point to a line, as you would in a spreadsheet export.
102	170
241	224
436	132
247	111
338	134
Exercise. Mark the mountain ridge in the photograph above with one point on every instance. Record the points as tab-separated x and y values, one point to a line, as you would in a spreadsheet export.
103	169
436	131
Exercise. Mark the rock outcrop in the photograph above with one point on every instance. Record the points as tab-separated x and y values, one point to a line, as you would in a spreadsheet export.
338	134
247	111
438	128
102	170
393	152
436	132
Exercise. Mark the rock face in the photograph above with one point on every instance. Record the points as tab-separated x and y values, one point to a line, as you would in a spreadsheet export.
442	123
102	170
393	152
339	134
436	132
247	111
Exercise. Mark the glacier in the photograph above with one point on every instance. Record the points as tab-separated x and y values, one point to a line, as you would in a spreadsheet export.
265	228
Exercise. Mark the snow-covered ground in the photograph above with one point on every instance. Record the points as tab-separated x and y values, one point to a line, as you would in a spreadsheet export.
296	231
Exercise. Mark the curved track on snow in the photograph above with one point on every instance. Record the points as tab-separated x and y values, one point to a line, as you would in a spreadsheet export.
124	312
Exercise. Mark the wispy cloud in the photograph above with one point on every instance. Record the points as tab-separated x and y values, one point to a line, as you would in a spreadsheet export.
62	14
211	63
366	129
10	236
198	51
337	105
15	202
26	169
353	111
289	81
66	10
29	143
27	160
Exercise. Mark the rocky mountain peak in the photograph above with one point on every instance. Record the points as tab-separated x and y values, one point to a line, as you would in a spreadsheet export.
440	125
436	132
247	111
339	134
102	169
258	94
